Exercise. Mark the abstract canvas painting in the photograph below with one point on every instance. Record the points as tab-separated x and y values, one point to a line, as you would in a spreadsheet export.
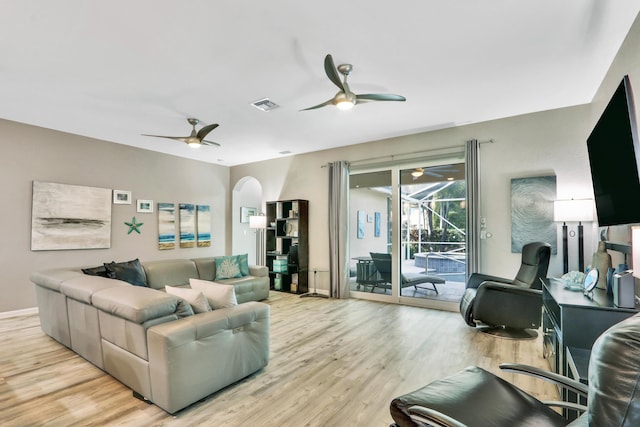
532	212
203	217
70	217
187	225
166	226
361	218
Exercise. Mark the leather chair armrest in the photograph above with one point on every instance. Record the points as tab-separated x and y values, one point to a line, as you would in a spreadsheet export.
512	289
561	380
432	417
476	279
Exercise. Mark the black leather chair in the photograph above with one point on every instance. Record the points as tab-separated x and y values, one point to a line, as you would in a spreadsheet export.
475	397
509	308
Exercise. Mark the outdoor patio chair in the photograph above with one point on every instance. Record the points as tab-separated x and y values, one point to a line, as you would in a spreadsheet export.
382	262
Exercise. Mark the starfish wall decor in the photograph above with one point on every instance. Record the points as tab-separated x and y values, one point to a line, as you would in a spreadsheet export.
134	226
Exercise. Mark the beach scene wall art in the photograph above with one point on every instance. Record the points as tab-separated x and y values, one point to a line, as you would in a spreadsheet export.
203	218
166	226
70	217
187	225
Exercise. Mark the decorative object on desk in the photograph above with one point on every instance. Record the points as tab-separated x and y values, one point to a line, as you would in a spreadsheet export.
166	226
187	225
601	262
134	225
590	281
624	290
245	213
574	210
573	280
610	273
532	212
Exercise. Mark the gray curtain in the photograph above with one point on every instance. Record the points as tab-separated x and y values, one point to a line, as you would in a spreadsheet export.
339	229
472	177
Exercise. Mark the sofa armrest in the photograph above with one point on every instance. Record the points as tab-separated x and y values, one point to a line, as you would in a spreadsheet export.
193	357
258	271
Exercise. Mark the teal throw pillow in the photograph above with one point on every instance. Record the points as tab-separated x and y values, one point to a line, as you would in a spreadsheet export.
227	267
243	262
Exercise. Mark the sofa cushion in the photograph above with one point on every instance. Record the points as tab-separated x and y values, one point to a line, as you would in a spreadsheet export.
82	288
195	298
136	303
227	267
218	295
170	272
129	271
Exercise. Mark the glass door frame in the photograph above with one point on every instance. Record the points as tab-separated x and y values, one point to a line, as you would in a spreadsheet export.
396	238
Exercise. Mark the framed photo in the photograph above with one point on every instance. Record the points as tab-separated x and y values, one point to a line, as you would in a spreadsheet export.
121	197
245	213
144	206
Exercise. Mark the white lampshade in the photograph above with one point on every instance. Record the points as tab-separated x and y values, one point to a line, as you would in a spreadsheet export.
574	210
258	221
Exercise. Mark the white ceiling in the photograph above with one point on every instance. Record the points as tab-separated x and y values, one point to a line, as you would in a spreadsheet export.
113	70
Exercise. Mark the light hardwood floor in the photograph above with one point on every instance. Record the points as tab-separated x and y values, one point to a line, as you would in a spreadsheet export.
333	363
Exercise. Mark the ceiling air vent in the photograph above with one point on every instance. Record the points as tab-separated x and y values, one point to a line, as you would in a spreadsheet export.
265	104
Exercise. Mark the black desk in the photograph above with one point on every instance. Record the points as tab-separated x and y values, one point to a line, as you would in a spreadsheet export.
572	320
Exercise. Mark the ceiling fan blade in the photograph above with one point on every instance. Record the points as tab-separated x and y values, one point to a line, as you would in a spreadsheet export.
380	97
332	73
210	143
177	138
324	104
205	131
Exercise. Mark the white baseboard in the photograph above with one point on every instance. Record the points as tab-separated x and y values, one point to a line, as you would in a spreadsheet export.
23	312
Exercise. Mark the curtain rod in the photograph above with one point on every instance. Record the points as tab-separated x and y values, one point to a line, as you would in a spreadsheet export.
391	157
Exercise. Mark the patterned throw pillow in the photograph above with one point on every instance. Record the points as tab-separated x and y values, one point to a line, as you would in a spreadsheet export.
243	262
227	267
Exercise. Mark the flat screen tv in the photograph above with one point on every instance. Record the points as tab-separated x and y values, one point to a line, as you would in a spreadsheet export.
614	156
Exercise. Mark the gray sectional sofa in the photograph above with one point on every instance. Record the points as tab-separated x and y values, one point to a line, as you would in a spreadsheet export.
148	339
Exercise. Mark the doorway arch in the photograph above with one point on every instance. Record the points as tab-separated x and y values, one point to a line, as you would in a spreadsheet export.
247	192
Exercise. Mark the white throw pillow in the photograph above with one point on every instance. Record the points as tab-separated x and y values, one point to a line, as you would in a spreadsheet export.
218	294
196	299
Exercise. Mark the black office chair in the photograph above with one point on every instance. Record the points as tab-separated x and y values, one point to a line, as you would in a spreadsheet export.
509	308
475	397
382	261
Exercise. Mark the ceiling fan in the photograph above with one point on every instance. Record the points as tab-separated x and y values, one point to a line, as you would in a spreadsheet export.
345	99
196	139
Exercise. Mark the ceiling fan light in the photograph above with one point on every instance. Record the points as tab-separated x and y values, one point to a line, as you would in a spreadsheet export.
417	172
345	104
194	144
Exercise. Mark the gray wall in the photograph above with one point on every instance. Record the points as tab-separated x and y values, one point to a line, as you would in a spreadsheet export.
528	145
29	153
536	144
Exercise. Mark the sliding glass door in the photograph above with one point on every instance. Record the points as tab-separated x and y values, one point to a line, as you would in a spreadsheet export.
433	237
408	239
